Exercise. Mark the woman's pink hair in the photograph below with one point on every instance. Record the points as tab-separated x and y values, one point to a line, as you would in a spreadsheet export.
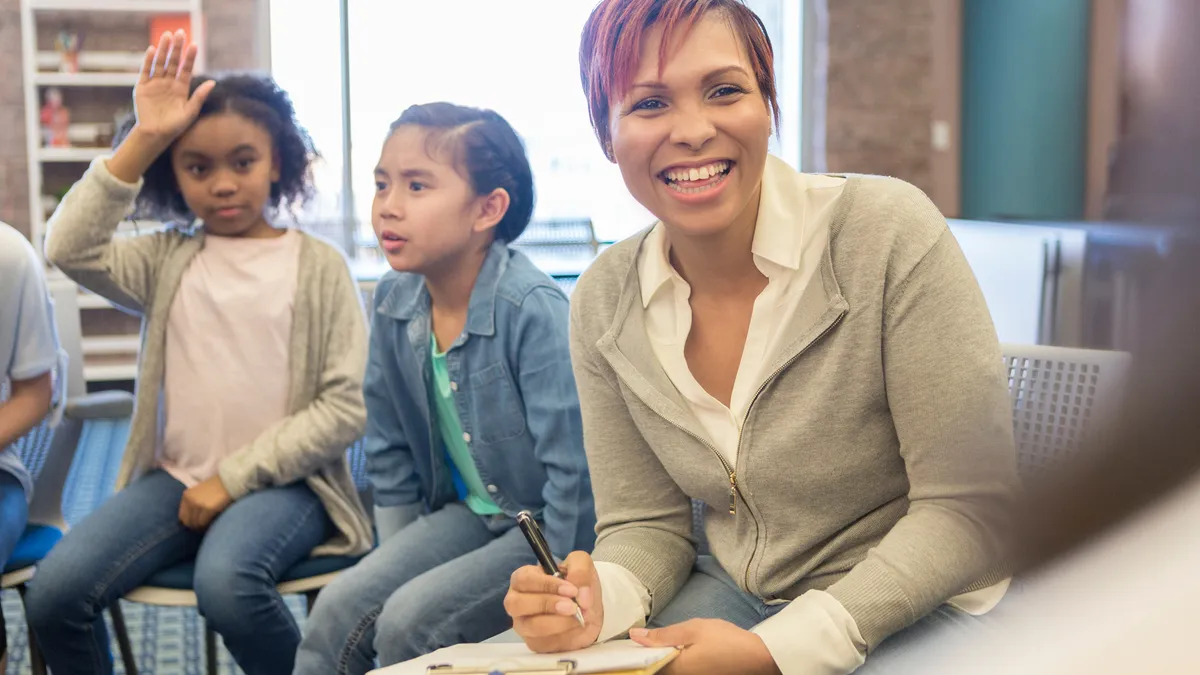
612	41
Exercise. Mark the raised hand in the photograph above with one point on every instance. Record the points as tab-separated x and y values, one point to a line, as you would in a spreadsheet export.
162	107
160	99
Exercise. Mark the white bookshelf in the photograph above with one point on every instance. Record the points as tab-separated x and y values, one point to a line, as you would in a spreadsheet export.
111	345
106	357
70	155
140	6
106	372
98	79
100	70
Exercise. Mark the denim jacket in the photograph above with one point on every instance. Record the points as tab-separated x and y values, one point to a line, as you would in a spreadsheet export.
510	372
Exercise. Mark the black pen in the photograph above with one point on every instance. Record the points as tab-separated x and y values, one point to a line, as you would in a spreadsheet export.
533	534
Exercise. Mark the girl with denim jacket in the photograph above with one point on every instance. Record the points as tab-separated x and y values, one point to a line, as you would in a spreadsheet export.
471	402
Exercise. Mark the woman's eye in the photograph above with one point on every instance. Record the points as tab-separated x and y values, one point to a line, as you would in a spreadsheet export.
648	104
416	186
380	187
728	90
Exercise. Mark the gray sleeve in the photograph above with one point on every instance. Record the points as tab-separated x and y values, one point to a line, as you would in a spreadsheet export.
946	387
81	240
35	349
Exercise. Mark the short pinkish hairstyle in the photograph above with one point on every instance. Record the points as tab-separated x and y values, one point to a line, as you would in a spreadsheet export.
612	41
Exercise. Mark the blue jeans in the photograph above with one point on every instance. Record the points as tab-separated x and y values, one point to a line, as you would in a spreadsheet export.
137	532
13	512
438	582
711	594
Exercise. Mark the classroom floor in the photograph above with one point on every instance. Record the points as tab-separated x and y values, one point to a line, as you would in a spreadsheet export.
165	640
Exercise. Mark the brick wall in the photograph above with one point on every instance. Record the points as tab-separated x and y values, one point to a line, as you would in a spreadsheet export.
231	29
879	98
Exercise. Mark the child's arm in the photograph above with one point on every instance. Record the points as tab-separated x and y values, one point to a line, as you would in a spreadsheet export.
317	436
547	386
35	347
80	239
394	481
81	242
28	403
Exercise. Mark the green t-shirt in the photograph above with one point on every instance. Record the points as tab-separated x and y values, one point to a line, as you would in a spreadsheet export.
466	477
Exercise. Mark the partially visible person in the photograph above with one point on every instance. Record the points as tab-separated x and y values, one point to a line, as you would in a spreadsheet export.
28	355
472	410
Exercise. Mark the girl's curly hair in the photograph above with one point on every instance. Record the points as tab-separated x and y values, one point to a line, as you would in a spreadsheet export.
257	98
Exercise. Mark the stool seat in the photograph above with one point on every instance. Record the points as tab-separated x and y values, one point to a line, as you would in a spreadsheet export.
179	577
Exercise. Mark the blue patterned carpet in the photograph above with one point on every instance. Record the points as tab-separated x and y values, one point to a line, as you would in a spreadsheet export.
166	640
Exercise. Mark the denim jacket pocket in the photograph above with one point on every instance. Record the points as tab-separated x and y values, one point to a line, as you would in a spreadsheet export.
498	411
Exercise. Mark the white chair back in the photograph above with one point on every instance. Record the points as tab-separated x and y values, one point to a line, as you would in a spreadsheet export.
1061	397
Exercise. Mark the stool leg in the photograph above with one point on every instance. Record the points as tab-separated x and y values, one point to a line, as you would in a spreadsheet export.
37	663
118	619
210	649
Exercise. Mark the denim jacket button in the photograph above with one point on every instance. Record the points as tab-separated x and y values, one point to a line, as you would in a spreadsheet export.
493	489
453	386
466	437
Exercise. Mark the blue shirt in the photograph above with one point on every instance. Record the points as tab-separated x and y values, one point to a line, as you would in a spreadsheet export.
514	390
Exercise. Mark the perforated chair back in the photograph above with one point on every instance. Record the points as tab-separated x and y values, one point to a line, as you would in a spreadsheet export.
1061	397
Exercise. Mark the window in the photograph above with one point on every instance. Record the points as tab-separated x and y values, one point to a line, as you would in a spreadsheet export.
518	57
306	60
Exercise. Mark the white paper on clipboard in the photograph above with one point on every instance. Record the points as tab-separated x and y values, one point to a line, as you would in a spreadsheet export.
617	655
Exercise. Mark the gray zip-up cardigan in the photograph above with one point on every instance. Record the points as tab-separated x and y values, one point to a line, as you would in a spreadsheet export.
876	461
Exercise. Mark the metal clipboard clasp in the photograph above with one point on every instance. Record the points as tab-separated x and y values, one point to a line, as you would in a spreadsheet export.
564	667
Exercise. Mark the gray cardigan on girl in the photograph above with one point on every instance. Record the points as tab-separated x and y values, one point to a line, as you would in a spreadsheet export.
328	351
877	462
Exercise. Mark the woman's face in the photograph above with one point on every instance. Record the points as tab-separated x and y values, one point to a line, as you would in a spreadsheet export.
692	144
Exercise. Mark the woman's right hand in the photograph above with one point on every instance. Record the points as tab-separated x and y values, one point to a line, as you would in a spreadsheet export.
161	102
542	610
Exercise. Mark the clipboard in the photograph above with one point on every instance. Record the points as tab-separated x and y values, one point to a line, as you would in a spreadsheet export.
565	667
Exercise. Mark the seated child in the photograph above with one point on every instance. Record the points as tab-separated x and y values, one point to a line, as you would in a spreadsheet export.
249	384
472	414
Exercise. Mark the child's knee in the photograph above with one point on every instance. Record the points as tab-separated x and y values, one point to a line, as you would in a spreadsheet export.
227	596
406	630
57	593
343	605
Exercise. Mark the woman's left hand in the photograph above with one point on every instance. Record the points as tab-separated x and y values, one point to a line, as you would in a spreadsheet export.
203	503
711	647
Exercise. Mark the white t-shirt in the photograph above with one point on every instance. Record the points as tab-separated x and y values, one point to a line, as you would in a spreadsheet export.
28	341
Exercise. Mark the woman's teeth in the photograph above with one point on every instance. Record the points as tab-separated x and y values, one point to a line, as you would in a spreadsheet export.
697	173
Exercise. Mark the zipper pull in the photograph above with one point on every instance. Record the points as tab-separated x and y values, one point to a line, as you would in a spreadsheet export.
732	493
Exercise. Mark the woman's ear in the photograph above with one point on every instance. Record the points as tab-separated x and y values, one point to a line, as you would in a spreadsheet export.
492	208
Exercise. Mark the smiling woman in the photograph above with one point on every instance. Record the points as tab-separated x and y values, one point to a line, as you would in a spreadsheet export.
820	320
